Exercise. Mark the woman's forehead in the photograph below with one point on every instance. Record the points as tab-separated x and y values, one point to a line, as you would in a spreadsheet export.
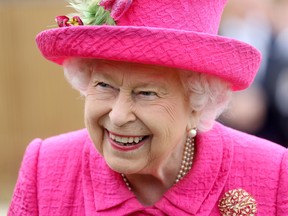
114	69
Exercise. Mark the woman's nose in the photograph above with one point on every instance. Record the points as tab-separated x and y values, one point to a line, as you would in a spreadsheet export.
122	111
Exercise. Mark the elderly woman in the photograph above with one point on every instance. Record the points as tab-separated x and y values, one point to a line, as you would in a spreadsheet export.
155	76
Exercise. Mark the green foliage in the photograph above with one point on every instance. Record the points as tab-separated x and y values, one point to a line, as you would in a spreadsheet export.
91	13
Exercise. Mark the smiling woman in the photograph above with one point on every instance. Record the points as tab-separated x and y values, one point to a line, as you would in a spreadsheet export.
143	116
154	83
143	102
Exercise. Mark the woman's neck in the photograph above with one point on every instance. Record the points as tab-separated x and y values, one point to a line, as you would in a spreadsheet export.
149	188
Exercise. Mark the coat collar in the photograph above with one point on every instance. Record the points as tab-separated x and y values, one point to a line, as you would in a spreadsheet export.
198	192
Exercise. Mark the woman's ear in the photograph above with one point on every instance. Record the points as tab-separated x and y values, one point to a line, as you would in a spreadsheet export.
193	120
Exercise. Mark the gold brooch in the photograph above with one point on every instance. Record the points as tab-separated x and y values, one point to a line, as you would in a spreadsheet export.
237	202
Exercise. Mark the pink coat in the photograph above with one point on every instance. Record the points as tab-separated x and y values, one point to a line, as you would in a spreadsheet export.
64	175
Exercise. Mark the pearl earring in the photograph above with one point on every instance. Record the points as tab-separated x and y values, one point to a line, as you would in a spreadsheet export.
192	133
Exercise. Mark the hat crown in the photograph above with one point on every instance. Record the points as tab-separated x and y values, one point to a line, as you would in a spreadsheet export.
191	15
178	34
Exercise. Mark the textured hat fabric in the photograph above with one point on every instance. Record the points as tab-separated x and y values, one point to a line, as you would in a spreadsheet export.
179	34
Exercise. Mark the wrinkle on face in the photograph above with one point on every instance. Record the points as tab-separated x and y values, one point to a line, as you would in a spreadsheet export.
163	118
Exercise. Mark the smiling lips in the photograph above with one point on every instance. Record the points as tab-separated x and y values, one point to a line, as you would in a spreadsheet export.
126	141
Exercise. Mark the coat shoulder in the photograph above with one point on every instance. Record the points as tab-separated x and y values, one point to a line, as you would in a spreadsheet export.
63	153
247	144
259	166
50	173
60	172
66	143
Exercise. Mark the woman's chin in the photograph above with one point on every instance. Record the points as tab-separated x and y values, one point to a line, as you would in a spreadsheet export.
122	166
119	169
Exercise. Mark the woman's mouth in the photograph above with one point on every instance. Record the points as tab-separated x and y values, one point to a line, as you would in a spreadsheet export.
126	142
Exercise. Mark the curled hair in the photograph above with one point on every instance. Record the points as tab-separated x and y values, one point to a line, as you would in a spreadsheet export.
78	73
208	95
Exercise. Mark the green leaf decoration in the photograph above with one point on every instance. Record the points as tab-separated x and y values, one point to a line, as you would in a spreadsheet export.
91	13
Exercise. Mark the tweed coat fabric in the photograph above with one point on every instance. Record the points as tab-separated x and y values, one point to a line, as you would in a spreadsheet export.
65	175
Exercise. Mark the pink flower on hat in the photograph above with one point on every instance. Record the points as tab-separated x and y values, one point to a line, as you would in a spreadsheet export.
117	7
63	21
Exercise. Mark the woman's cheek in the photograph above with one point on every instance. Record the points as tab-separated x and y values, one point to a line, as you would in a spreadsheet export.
96	134
92	124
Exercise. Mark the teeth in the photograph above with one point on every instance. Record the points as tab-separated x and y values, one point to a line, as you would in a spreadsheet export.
112	136
118	139
126	140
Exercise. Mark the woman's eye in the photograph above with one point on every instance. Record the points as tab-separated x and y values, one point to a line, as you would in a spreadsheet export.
103	85
148	93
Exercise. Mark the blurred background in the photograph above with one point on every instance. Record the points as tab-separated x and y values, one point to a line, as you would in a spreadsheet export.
36	101
262	109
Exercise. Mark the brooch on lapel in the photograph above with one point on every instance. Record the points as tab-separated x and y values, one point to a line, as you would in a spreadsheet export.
237	202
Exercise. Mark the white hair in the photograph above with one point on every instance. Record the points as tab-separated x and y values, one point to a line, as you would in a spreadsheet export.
78	73
208	94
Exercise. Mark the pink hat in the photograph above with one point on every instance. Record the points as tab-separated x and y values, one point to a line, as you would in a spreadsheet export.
179	34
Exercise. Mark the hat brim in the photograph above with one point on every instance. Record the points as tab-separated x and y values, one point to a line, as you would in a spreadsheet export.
226	58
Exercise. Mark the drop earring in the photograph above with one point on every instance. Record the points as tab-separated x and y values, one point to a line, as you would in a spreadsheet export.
192	133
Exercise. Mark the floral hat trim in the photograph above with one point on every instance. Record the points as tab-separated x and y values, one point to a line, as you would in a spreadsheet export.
94	12
63	21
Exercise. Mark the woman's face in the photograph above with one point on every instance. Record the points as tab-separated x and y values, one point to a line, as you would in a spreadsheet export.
136	116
